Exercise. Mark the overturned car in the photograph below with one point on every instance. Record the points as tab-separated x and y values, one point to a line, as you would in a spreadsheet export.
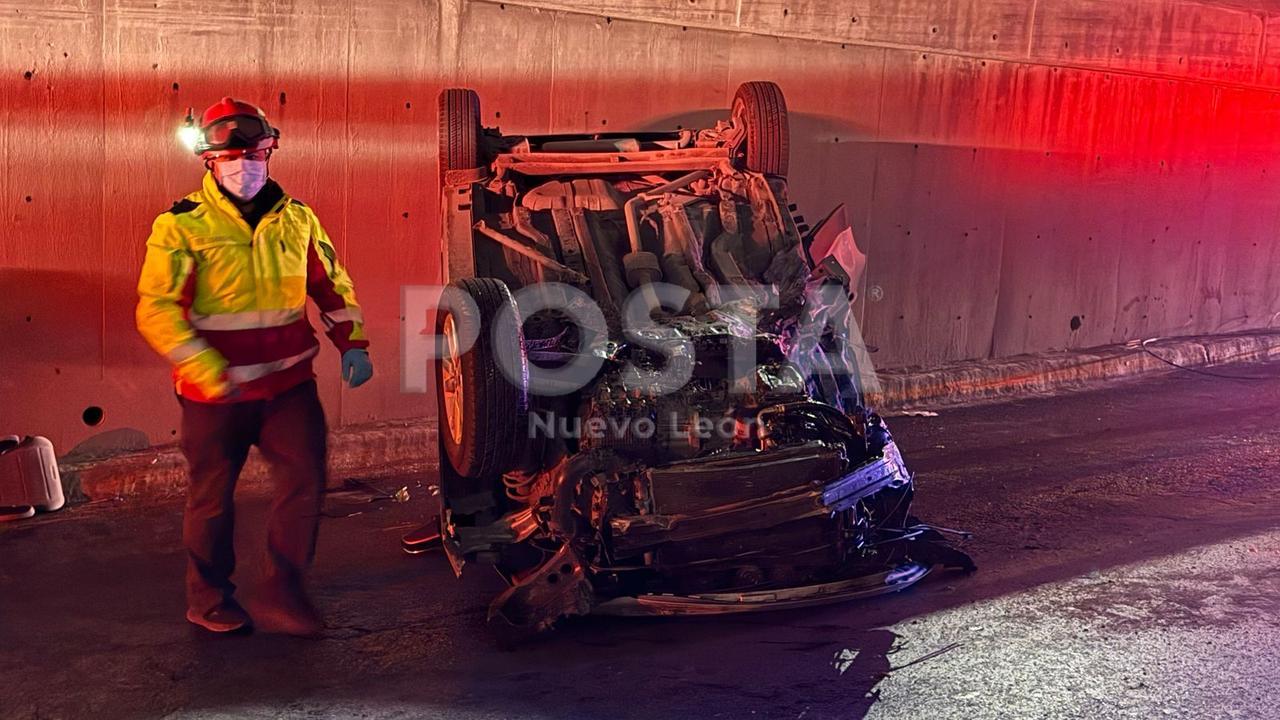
649	396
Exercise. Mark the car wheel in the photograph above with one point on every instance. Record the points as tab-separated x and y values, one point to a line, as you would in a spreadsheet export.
761	112
459	130
483	414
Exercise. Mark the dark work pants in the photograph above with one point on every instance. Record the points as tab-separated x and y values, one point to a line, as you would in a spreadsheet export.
289	431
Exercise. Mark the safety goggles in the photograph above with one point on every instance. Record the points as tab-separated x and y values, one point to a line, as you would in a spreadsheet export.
224	155
239	132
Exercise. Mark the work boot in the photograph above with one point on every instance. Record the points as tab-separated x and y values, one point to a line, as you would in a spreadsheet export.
288	611
225	617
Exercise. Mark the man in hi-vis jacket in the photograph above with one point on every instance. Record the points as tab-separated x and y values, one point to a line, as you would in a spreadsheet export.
222	296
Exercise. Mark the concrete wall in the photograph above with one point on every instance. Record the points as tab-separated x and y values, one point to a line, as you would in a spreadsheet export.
1025	174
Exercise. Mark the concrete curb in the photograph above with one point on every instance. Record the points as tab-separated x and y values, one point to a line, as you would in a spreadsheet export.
364	452
402	448
980	381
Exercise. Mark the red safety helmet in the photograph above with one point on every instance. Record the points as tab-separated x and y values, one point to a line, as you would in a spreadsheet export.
234	127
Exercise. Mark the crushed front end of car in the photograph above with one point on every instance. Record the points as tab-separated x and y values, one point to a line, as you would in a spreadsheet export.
651	396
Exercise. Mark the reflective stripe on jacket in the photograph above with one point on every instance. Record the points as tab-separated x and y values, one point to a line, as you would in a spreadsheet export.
226	304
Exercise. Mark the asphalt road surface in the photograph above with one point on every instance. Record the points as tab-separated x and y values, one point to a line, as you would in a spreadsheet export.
1129	566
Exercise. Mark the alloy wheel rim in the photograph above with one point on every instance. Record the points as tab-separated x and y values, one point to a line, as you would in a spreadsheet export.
451	381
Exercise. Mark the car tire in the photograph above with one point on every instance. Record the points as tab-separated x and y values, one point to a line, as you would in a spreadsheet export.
483	414
459	130
761	111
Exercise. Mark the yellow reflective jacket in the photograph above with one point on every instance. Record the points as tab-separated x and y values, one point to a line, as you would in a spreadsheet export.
226	304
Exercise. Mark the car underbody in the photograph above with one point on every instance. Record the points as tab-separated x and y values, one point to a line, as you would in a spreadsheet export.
759	479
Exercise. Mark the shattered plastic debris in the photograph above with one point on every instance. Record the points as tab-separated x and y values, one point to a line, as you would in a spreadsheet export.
927	656
360	492
844	659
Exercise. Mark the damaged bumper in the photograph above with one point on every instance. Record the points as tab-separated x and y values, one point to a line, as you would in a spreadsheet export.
884	583
783	540
768	505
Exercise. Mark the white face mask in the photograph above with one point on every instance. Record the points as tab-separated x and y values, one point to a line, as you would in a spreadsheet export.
242	178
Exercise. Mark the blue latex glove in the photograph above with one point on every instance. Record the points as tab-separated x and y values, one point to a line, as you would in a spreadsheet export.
356	367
